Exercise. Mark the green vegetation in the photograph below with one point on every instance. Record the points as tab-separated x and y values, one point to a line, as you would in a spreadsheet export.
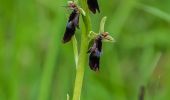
36	65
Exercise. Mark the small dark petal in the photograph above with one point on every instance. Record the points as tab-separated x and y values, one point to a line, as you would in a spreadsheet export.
94	61
93	5
70	30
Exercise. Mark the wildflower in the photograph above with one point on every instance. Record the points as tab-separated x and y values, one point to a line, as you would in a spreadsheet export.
72	23
96	49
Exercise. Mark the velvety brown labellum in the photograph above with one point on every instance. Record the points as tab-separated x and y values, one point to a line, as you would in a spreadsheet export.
93	5
72	23
95	52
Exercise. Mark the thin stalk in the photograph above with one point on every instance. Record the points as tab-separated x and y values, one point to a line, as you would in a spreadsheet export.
86	27
74	40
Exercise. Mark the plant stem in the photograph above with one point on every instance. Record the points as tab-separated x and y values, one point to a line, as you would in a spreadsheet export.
86	27
74	40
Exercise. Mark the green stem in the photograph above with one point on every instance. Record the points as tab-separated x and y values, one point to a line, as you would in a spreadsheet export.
86	27
75	49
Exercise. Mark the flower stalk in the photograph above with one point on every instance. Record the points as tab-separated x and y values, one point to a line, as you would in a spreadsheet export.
82	58
75	49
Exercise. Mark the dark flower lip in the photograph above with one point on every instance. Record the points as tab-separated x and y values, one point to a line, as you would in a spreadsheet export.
94	61
93	5
95	52
72	23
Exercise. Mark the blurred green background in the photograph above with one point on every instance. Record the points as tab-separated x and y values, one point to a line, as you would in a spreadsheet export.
35	65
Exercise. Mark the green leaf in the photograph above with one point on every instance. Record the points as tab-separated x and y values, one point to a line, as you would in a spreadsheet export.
155	11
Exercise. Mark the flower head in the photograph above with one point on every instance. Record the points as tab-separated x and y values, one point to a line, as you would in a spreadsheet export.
72	23
96	49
